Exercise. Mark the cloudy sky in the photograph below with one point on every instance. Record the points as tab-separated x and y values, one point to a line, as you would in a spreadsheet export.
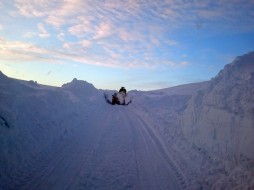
139	44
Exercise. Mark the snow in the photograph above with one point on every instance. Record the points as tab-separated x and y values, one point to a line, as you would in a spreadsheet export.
194	136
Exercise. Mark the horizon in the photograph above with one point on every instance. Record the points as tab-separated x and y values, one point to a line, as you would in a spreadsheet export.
140	45
129	90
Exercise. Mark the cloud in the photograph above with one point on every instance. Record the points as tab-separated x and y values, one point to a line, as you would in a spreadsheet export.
71	8
77	46
29	34
61	36
30	8
18	51
128	35
175	12
124	33
43	33
184	63
54	20
22	51
82	27
55	12
85	43
103	30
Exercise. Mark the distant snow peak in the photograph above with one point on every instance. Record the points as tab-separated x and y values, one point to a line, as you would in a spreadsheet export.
75	83
80	87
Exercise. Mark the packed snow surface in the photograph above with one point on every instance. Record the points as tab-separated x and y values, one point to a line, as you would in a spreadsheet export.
195	136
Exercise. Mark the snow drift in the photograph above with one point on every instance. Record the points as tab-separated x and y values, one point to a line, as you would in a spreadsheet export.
220	117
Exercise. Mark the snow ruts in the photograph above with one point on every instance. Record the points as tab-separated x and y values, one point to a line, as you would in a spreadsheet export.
114	149
57	166
152	139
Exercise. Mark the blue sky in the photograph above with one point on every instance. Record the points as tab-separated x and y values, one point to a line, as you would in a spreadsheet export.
139	44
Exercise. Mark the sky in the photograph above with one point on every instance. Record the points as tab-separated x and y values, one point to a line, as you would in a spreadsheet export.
139	44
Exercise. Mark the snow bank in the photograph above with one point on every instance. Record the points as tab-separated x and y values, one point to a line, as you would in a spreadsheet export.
220	117
219	122
211	122
38	117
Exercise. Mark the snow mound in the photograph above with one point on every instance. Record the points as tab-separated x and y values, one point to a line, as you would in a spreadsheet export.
241	68
220	118
80	88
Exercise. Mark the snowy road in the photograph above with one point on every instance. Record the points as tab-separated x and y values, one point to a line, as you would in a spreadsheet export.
111	149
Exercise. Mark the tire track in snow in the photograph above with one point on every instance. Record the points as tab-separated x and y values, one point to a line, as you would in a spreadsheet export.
146	174
110	166
41	165
73	164
61	160
163	151
150	164
92	149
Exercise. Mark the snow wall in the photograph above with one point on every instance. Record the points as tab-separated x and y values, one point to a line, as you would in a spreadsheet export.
220	118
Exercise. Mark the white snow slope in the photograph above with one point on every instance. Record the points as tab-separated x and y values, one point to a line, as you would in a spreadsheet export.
195	136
